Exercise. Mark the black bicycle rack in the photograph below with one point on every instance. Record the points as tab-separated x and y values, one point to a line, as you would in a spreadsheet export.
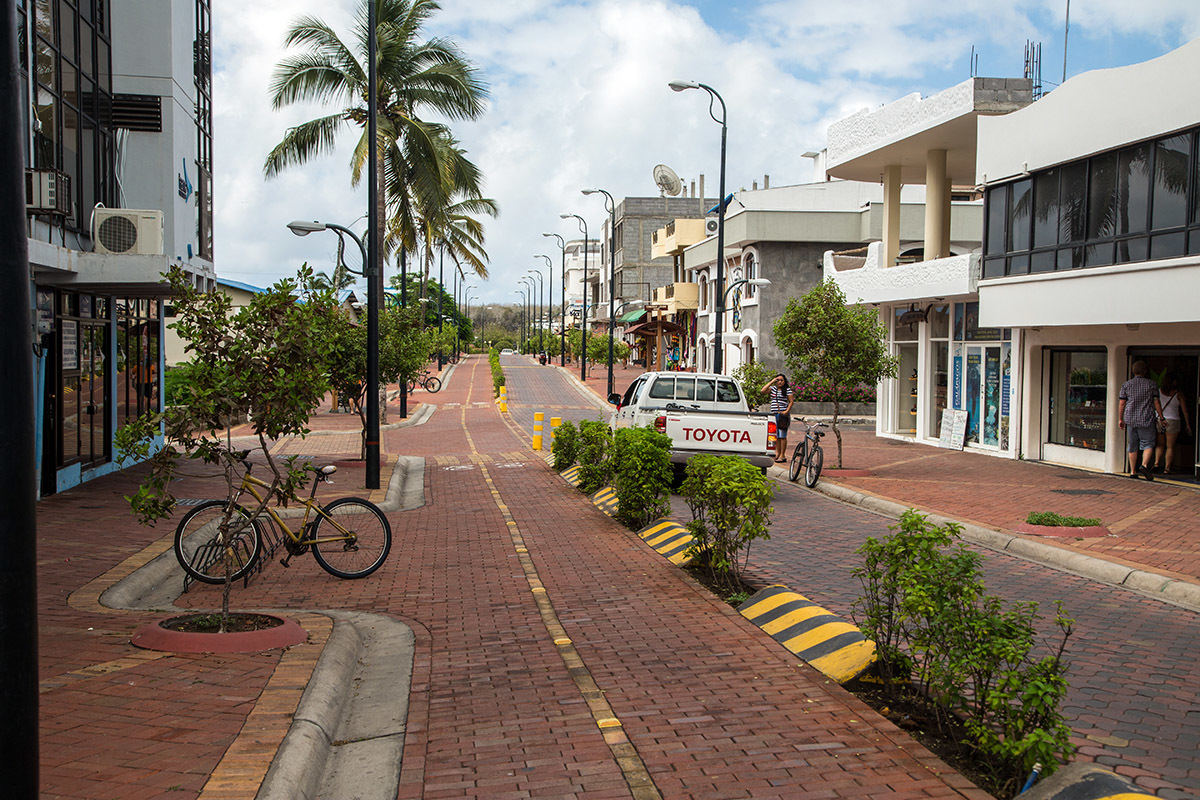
212	552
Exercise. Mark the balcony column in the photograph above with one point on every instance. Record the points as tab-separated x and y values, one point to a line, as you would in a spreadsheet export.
937	206
891	214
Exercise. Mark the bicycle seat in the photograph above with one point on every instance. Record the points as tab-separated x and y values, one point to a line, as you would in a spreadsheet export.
328	469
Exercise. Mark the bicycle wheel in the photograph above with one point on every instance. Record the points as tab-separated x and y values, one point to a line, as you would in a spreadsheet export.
361	555
797	460
198	545
433	384
412	386
813	469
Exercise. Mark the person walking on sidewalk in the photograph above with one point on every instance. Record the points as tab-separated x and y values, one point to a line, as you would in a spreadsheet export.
1175	412
1140	414
781	406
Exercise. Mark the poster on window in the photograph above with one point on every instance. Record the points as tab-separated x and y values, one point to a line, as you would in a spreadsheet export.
991	396
958	376
973	380
70	344
1005	394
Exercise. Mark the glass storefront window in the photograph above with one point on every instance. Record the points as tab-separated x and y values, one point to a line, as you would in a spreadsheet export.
1078	398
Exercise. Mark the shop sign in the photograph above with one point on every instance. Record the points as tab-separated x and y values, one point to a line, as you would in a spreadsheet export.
70	344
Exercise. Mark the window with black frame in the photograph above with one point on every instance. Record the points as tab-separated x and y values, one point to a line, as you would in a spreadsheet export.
1078	398
1138	203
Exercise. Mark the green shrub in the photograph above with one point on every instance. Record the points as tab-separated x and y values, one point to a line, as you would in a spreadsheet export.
595	438
959	653
730	501
753	376
1057	520
565	446
497	373
177	383
641	475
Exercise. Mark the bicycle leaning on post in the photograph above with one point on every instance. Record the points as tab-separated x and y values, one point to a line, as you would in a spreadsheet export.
349	537
808	456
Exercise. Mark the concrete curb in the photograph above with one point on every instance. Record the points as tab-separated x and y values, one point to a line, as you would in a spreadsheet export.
1159	587
406	489
1079	781
299	764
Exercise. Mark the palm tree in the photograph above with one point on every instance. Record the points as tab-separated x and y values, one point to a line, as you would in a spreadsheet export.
414	78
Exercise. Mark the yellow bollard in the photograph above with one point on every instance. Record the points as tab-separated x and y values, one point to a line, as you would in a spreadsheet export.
554	423
503	399
538	418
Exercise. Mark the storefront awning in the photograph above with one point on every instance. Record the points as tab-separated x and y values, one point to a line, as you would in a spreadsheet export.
630	316
654	328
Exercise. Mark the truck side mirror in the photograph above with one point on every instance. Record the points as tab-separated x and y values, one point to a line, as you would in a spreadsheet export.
615	399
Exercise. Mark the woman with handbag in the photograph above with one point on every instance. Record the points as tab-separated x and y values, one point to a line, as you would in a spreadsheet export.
1175	419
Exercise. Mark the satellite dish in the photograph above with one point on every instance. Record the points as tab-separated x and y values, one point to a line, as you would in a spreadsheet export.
667	180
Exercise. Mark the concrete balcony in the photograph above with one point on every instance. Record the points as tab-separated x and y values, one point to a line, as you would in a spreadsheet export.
671	240
865	280
676	297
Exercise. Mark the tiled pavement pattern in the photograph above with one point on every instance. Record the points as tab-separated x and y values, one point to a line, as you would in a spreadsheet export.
1133	703
710	705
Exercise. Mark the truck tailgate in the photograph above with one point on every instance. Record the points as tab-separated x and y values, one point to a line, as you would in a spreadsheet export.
719	433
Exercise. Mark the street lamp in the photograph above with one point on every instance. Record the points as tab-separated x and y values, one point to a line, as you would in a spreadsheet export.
549	287
611	206
303	228
679	86
562	331
541	296
521	328
583	322
748	281
458	318
528	280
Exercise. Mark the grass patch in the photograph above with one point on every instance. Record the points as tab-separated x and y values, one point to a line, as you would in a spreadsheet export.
1059	521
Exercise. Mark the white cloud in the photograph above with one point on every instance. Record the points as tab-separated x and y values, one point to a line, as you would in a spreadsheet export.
579	99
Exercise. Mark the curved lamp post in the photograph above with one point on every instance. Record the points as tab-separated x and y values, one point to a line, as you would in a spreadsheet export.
736	284
549	289
679	86
583	322
610	205
521	327
533	303
562	331
302	228
541	296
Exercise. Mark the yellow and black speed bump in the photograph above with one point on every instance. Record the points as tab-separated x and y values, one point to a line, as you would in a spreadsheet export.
571	475
606	500
670	539
826	641
1080	781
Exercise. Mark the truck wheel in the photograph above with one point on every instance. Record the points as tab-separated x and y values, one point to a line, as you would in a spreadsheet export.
678	473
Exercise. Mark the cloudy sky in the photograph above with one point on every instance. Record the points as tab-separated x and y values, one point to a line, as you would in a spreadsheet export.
579	99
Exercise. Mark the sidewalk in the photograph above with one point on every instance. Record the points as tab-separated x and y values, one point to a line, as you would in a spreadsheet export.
554	654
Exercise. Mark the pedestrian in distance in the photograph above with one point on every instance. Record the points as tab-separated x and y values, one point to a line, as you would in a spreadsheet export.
782	397
1140	413
1175	414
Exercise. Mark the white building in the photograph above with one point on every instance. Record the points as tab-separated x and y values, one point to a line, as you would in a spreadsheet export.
119	164
1090	258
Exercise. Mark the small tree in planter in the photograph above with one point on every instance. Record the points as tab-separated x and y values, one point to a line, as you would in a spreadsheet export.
832	346
403	350
730	500
641	474
265	363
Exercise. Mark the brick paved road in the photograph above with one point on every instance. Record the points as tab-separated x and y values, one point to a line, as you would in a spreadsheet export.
1134	675
556	655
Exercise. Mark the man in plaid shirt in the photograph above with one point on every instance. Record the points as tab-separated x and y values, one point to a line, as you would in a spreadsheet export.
1140	413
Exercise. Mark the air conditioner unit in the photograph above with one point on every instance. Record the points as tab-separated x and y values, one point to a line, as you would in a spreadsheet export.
47	191
126	231
710	226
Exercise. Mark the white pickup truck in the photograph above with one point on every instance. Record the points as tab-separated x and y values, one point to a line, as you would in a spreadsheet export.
701	412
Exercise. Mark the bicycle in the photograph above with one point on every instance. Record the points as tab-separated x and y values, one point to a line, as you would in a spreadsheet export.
356	543
808	455
428	381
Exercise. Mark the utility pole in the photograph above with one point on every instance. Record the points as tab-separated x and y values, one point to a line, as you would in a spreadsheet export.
18	470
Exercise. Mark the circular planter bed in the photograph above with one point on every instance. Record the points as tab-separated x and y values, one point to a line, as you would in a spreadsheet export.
1064	531
196	633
